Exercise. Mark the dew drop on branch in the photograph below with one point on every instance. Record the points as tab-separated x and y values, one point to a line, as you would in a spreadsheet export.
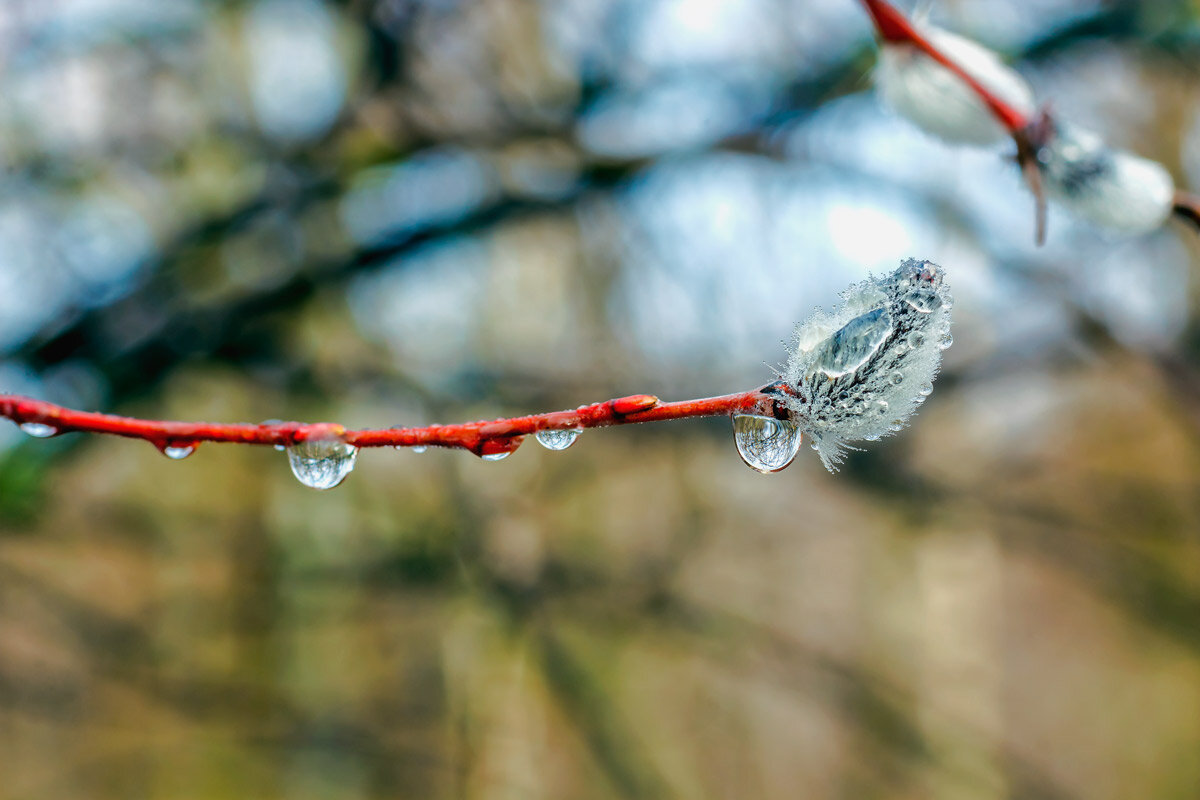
419	448
39	430
766	444
177	452
557	439
322	464
496	456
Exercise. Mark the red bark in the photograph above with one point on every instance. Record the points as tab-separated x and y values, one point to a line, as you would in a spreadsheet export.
485	437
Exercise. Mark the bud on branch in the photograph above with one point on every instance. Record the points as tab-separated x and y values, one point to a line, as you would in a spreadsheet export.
857	373
963	93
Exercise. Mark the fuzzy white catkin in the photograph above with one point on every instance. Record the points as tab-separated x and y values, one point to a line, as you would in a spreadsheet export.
937	100
860	371
1109	187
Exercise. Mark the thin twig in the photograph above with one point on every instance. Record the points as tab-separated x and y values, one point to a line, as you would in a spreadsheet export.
485	437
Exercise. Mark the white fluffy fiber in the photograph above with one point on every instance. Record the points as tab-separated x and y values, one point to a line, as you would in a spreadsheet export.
1109	187
860	371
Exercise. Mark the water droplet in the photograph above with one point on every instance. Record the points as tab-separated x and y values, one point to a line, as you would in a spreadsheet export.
557	439
897	425
896	378
945	341
322	464
917	340
496	456
766	444
927	389
947	300
39	429
419	448
924	300
881	407
177	452
855	343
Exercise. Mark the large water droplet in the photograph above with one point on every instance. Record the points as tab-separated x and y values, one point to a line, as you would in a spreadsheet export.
945	341
496	456
923	300
39	429
557	439
854	343
176	452
322	464
766	444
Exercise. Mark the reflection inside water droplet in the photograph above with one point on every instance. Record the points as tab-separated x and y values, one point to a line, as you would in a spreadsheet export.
557	439
176	452
39	430
766	444
322	464
496	456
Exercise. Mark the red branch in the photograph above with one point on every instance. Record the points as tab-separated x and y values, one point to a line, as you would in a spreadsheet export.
895	28
481	438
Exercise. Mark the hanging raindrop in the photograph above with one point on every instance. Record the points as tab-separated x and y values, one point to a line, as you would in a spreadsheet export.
177	452
766	444
322	464
39	430
496	456
557	439
419	448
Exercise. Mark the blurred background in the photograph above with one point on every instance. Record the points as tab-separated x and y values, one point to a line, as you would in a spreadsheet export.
386	212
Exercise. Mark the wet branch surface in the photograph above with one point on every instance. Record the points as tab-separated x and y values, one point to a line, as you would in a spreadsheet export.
485	437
